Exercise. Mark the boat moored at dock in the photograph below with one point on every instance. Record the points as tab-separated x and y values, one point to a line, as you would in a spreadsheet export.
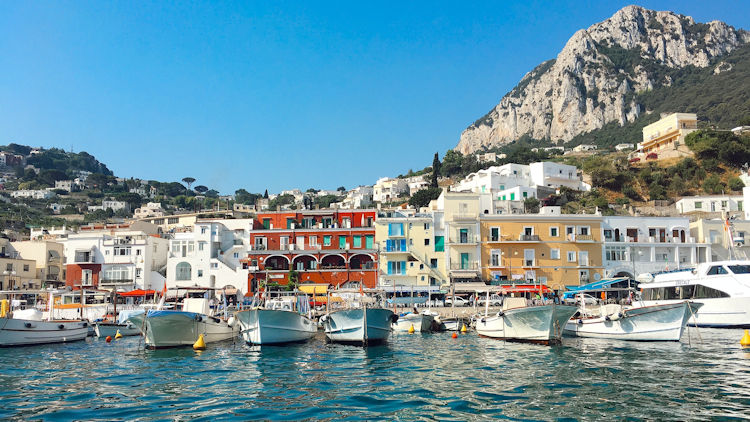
518	322
173	328
281	320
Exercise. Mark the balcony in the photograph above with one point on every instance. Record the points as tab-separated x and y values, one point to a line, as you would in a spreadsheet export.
464	217
528	238
465	266
463	240
584	238
111	281
83	257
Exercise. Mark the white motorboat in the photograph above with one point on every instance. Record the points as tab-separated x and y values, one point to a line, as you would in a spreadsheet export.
451	323
106	329
422	322
282	320
26	327
363	325
723	288
518	322
171	328
641	323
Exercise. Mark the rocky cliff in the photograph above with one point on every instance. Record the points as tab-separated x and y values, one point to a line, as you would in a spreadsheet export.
594	78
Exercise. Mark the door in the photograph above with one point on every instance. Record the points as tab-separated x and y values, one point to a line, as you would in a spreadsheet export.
301	242
662	235
464	261
583	258
528	257
284	243
463	236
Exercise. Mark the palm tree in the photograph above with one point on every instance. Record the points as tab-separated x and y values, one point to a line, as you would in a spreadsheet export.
189	181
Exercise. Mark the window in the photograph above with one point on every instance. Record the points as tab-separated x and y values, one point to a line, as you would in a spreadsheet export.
608	234
615	253
397	267
106	252
214	265
583	258
717	270
698	205
342	242
427	242
182	271
495	234
554	253
569	230
395	229
740	269
427	226
236	255
357	241
495	258
200	273
583	230
703	292
724	204
201	245
528	257
326	240
138	251
204	229
26	267
9	267
651	232
173	220
117	273
433	263
439	244
313	241
571	256
554	231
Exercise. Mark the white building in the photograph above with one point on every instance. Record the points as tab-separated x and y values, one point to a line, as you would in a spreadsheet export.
359	197
584	148
56	208
151	209
113	256
210	255
555	175
710	203
623	147
34	194
387	189
636	245
67	185
417	185
111	204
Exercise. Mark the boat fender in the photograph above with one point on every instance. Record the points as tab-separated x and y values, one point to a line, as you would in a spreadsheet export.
198	318
394	318
580	321
27	325
84	324
607	318
231	321
483	320
62	327
501	314
615	317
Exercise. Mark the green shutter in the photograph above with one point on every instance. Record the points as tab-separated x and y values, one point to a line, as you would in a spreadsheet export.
357	242
342	242
369	242
439	244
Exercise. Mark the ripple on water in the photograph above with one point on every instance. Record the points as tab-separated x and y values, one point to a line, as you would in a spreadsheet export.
419	377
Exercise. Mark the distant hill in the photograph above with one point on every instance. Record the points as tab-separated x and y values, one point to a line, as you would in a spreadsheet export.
617	71
58	159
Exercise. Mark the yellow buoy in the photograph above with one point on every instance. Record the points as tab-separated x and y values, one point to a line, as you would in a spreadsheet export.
463	328
411	329
745	340
199	344
118	335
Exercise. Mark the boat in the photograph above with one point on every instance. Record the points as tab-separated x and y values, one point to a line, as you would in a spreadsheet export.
422	322
109	328
516	321
722	287
23	327
363	321
174	328
281	320
636	323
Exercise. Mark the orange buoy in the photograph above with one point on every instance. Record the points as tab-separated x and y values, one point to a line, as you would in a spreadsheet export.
108	339
455	335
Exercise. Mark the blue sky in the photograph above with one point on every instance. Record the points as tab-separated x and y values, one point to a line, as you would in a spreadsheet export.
275	95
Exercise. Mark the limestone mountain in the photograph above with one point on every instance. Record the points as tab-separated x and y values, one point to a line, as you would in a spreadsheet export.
594	79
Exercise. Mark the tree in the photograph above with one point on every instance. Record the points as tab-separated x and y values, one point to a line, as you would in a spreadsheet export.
242	196
657	192
293	282
435	171
423	197
736	184
201	189
265	194
341	189
452	163
188	181
713	185
531	205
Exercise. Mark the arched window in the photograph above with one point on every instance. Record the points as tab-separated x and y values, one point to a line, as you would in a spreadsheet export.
182	271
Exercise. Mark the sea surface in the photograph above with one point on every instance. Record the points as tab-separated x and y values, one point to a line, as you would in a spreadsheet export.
413	377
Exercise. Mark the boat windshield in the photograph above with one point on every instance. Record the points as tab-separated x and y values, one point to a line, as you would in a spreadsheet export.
740	269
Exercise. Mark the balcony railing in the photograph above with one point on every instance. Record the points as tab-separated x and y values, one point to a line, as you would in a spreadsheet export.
528	238
465	240
116	281
584	238
465	266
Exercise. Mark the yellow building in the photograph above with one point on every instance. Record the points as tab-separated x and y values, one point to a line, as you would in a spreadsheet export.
16	273
457	217
554	249
48	258
409	253
668	132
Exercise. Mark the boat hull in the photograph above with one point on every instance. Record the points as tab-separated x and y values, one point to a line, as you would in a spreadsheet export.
348	326
420	322
180	328
21	332
724	312
273	326
535	324
647	323
105	329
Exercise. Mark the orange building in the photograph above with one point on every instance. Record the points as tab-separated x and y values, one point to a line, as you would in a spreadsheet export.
332	247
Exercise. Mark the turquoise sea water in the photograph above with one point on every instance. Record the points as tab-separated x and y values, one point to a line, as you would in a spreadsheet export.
413	377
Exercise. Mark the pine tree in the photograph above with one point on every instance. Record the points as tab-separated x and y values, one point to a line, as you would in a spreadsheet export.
435	171
265	194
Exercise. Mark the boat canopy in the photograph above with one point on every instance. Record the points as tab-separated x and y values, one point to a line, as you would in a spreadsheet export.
316	289
137	293
607	283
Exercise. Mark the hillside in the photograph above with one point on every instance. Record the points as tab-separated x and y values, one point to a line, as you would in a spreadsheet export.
602	77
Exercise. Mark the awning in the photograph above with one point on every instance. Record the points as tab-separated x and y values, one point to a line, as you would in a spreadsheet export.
596	286
409	289
138	292
230	291
317	289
